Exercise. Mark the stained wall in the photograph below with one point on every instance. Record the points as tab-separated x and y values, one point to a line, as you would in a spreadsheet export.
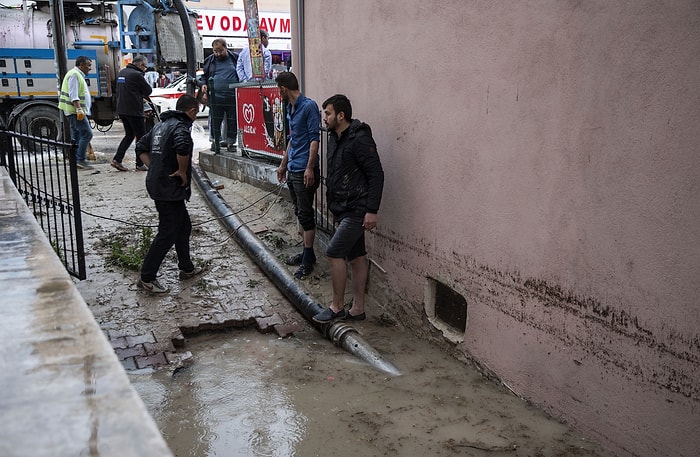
541	159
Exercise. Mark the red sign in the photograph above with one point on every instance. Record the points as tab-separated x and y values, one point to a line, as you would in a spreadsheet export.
261	120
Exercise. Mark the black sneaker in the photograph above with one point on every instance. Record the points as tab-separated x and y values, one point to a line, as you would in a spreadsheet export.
349	317
327	315
295	259
303	271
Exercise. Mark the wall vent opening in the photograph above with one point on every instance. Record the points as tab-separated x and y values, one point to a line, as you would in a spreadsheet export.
446	309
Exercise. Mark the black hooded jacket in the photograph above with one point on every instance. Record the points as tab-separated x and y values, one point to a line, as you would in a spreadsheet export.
168	139
355	176
132	88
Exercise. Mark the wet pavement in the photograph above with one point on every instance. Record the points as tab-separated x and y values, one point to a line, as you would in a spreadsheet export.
149	330
63	391
227	367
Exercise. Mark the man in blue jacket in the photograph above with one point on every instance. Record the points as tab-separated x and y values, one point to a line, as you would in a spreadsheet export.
167	151
355	184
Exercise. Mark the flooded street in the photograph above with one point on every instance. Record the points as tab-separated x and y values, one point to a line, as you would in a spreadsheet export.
242	392
249	394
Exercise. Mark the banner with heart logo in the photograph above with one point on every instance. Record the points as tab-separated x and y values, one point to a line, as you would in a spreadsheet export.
261	120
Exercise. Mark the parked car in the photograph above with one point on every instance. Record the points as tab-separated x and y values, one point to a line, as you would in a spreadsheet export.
165	98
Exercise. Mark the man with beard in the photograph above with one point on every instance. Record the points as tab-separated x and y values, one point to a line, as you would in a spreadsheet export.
218	86
355	183
299	167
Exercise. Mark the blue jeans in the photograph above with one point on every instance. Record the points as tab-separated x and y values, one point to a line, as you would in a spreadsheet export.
174	228
81	133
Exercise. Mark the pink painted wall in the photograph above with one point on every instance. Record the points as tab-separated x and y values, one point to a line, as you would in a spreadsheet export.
541	158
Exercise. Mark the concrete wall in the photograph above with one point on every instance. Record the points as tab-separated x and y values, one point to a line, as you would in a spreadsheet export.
541	158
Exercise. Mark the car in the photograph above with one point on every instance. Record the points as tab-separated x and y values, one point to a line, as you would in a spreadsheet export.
165	98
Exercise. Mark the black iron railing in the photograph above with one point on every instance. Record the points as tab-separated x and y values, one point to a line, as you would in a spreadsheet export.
45	174
324	218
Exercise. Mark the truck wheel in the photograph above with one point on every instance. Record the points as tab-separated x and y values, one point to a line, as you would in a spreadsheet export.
40	121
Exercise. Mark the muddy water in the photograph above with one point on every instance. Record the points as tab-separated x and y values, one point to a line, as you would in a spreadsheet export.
252	394
249	394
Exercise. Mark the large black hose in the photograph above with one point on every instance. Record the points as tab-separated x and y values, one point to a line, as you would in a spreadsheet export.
190	49
341	334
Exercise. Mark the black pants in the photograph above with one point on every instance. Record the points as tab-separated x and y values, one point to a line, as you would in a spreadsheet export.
174	228
220	106
134	126
303	197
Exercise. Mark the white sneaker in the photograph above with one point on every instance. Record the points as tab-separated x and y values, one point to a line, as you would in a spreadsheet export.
82	164
153	287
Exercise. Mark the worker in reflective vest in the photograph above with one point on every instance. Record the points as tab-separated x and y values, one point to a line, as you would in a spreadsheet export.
75	102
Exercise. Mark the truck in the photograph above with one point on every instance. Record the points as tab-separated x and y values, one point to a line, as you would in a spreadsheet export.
111	33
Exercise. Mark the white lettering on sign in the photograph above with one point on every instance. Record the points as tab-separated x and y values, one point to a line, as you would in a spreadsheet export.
248	113
249	129
232	23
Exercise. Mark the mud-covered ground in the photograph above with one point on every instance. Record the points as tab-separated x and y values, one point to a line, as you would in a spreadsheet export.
245	393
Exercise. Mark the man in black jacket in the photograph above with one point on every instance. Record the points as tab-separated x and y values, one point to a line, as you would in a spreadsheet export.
218	83
354	191
167	151
132	88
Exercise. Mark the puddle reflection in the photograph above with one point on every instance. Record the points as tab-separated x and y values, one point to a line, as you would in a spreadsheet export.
226	403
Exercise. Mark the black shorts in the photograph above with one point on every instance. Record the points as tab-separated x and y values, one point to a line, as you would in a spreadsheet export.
348	241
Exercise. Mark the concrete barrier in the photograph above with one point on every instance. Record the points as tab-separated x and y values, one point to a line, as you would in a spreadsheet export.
63	391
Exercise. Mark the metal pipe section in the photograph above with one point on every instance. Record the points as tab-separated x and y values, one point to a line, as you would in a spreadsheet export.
189	46
298	47
340	333
58	29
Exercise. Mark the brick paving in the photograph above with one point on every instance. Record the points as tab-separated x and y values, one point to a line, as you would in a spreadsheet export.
151	331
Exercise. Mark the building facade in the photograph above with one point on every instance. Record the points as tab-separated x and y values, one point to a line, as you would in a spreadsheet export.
226	19
542	193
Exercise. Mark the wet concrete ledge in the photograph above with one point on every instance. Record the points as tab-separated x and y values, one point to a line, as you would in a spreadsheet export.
259	172
64	392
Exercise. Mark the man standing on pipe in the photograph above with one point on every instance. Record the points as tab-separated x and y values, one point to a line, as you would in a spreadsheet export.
299	167
355	183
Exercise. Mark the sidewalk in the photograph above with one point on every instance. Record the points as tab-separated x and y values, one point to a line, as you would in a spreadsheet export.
149	331
63	390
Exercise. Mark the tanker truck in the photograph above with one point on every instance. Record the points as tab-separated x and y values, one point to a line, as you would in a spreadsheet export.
106	31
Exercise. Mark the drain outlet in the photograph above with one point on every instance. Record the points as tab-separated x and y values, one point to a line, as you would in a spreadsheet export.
446	309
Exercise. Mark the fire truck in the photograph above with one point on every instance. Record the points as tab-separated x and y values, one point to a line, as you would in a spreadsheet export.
109	32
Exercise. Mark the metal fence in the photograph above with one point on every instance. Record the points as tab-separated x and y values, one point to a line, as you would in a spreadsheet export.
324	218
45	174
